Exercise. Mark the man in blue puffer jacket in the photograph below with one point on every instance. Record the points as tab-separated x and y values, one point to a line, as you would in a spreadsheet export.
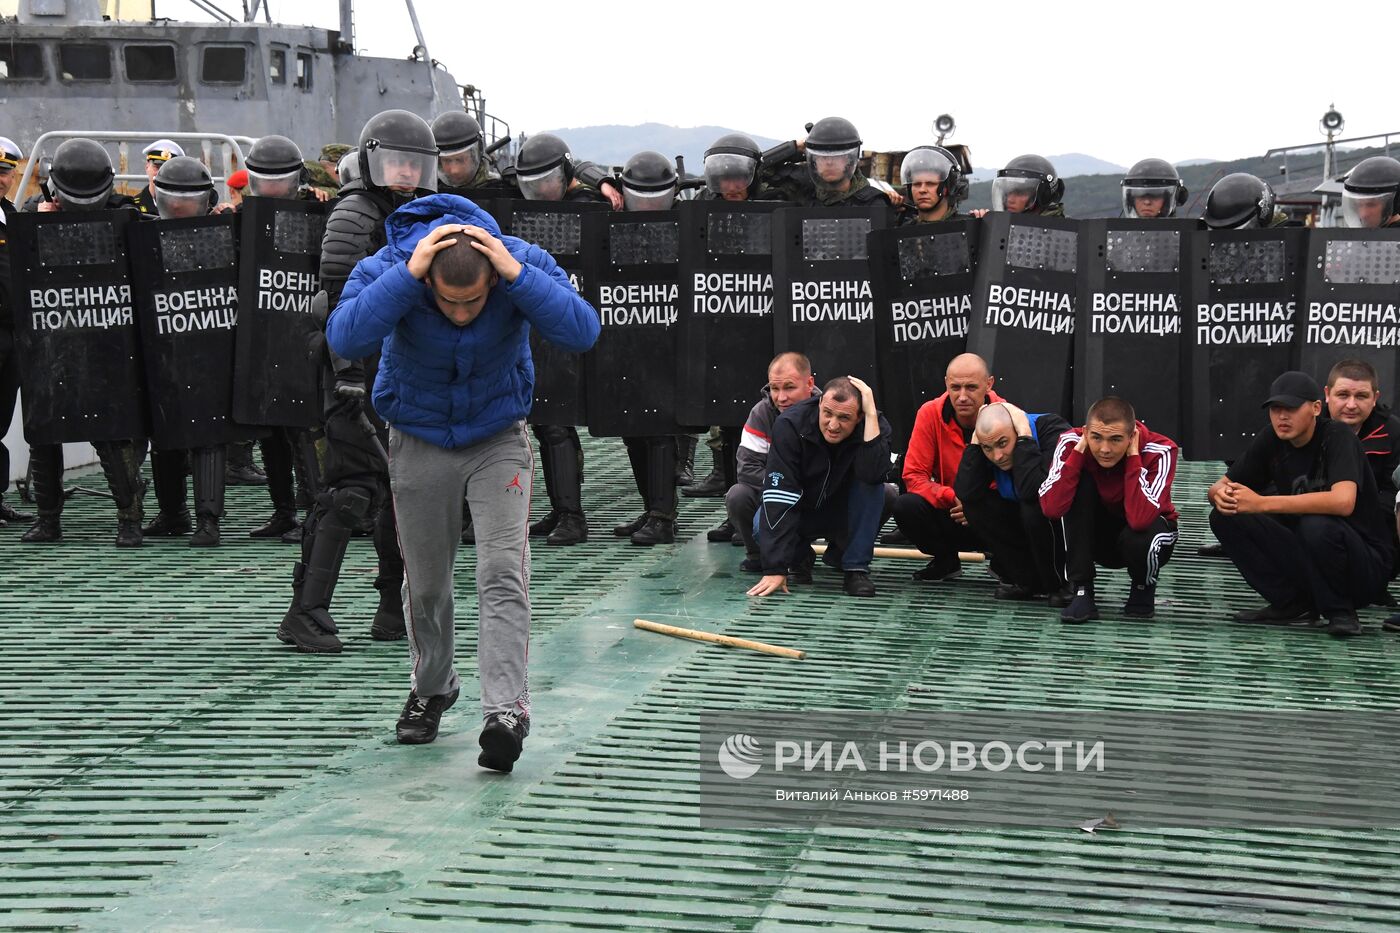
452	303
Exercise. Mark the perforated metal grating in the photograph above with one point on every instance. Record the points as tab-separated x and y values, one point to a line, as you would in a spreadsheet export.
167	766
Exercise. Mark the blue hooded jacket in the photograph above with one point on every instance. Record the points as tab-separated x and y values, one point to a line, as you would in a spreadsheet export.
449	385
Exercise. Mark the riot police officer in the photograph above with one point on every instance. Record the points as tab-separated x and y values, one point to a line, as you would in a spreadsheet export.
1241	201
462	165
933	185
1153	189
10	156
832	177
545	171
731	171
1369	193
82	179
185	189
276	170
1028	185
398	162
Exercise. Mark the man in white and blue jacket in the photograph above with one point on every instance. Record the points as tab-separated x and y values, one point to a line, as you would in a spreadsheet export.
452	303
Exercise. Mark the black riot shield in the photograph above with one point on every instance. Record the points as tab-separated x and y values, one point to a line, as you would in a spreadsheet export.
724	323
185	278
1351	303
558	228
1023	305
1239	335
921	278
822	304
631	372
76	334
276	376
1134	279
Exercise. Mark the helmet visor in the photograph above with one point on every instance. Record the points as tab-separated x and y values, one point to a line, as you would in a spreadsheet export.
1014	195
933	166
274	186
548	185
728	173
179	204
85	202
1367	208
459	167
634	200
1149	201
832	168
401	170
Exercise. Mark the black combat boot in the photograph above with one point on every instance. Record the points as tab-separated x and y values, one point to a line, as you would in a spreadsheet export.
637	457
660	527
278	461
121	464
168	469
239	467
46	484
563	479
209	467
389	624
308	623
685	459
9	516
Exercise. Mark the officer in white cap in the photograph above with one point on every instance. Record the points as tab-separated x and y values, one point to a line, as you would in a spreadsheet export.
157	154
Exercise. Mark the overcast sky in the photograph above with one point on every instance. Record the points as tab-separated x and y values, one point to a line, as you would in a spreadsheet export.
1190	80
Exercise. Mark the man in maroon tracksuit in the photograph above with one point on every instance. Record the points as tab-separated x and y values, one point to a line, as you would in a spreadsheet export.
1111	484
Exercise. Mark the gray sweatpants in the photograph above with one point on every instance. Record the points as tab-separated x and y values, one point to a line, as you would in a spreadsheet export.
428	483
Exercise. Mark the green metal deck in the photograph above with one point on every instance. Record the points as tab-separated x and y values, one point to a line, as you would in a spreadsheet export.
166	764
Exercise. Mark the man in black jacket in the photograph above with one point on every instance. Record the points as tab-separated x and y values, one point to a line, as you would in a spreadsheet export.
998	484
824	477
9	361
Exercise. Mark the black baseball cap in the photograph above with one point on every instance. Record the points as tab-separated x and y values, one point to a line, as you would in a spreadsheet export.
1293	389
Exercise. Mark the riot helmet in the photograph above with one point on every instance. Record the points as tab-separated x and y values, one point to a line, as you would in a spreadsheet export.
184	189
349	168
1027	185
1239	201
398	153
1152	189
731	166
1368	193
275	169
544	168
648	182
458	138
833	152
81	176
931	175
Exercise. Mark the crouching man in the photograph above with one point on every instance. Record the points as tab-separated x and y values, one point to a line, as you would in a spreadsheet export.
453	303
824	477
998	483
1111	482
1322	544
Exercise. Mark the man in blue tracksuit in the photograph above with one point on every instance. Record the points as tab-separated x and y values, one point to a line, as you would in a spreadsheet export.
452	303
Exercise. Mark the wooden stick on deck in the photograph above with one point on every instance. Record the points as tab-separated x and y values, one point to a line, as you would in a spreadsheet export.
728	640
967	557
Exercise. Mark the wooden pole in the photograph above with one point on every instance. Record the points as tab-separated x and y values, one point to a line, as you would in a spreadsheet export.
967	557
728	640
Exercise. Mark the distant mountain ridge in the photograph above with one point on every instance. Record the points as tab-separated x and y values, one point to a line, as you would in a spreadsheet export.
615	144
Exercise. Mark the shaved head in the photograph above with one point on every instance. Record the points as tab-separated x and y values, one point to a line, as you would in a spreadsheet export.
968	364
993	419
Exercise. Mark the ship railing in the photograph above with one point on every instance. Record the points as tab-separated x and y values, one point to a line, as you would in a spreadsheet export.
222	153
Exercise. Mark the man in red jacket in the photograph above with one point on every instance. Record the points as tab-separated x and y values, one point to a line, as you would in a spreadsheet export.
1111	483
929	512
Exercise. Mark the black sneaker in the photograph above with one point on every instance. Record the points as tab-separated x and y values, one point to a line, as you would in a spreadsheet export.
418	723
301	629
1277	615
721	532
1014	592
1061	597
9	516
1082	607
754	565
1142	602
1343	624
502	738
1211	550
544	526
940	568
858	583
